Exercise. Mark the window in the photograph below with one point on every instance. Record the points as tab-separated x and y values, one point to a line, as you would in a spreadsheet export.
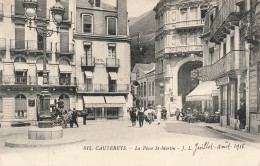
138	92
193	13
111	51
65	79
111	26
87	22
162	65
224	49
184	15
203	13
89	84
211	53
153	89
145	89
21	77
97	3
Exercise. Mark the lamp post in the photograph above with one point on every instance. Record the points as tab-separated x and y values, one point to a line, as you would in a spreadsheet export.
57	11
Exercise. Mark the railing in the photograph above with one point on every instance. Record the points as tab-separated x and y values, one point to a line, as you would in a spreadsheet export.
29	45
88	61
99	88
187	48
234	60
65	48
224	12
112	62
190	23
2	44
35	80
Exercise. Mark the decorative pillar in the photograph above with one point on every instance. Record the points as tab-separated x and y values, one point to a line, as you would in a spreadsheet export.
237	45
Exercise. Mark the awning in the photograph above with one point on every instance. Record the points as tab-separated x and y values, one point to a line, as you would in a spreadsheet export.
93	100
40	67
203	91
20	66
89	74
113	75
65	69
115	99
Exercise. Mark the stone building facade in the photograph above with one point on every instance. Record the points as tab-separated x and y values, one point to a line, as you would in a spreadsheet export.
21	60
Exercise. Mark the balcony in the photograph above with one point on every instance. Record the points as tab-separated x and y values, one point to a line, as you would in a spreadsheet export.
88	62
29	46
37	81
226	19
104	88
250	27
65	48
190	24
183	49
112	63
233	61
2	45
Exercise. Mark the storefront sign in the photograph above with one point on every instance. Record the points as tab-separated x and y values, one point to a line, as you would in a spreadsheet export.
223	81
100	62
254	97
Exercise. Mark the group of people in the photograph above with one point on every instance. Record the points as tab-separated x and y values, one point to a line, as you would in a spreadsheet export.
139	114
68	116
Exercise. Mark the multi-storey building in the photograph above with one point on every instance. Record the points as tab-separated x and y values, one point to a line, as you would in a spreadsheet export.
21	60
144	93
178	49
231	61
103	58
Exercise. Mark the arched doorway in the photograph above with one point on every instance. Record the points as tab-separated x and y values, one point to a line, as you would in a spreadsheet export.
185	83
66	100
20	106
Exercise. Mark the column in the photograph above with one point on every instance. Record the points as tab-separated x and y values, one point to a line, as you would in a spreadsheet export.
237	46
238	90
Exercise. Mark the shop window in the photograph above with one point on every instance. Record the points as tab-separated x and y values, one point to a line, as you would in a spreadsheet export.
21	77
87	23
111	25
112	112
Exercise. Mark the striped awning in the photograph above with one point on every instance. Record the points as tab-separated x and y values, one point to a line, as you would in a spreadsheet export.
65	69
20	66
204	91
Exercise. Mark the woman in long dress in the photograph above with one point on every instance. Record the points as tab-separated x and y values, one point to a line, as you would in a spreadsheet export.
159	110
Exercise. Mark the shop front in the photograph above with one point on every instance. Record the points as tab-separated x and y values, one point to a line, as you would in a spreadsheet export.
104	107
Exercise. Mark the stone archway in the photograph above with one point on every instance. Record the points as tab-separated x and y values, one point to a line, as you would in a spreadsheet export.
185	66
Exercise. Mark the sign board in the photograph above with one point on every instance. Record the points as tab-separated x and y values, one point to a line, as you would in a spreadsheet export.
100	62
223	81
254	98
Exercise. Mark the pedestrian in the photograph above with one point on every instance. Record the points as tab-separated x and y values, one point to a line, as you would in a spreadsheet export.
74	117
141	116
84	115
133	116
64	118
159	111
150	113
70	118
177	113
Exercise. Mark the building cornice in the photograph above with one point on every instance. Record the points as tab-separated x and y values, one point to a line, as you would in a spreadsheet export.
100	37
97	9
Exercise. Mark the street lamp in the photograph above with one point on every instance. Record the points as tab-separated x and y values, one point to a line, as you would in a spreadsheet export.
57	11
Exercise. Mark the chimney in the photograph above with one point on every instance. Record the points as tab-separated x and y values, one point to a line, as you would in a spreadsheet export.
122	17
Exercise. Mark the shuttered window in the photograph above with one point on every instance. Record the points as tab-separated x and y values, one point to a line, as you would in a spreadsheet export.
19	36
19	10
87	21
64	40
111	25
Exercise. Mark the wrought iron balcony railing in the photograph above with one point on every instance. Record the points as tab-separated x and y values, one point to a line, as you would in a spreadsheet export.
227	14
112	62
29	45
65	48
103	88
234	60
88	61
36	80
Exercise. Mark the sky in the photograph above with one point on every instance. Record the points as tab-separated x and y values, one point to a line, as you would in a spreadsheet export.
138	7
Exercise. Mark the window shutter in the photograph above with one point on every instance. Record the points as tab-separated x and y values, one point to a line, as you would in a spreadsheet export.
19	37
19	10
43	6
65	3
64	41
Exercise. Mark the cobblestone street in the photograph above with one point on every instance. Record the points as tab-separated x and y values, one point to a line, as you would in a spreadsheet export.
114	142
